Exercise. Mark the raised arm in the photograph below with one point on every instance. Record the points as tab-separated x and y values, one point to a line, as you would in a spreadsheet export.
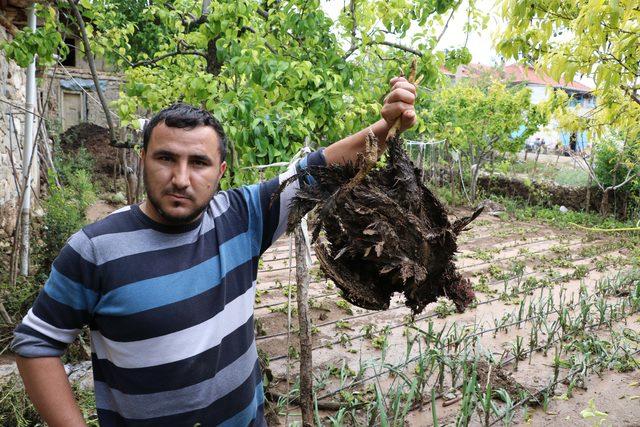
398	103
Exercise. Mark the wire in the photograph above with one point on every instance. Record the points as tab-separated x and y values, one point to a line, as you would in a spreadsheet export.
423	143
84	90
21	108
605	230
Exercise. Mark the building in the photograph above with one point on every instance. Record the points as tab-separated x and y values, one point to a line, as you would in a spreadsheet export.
541	87
73	98
12	118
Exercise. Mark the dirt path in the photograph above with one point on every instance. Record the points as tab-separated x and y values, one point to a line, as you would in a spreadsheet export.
535	262
550	159
99	210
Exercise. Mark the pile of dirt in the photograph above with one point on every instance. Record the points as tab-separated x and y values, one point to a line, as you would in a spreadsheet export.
383	231
501	379
95	139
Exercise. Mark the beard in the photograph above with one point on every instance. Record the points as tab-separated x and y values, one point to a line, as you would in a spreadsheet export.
173	219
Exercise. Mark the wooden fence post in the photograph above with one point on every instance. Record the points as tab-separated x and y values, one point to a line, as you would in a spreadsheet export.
302	294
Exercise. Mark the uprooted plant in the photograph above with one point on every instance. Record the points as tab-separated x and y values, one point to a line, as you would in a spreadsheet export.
383	232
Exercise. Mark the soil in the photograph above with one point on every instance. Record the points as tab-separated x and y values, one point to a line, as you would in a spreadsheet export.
99	210
95	139
341	344
383	232
502	379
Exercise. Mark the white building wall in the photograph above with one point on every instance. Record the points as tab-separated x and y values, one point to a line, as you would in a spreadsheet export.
538	93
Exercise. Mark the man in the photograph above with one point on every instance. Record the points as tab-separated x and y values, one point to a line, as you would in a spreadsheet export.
167	287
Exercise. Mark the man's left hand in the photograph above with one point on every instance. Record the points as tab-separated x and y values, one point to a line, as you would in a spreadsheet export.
400	103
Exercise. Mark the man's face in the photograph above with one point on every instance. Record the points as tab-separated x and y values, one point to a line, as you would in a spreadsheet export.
181	172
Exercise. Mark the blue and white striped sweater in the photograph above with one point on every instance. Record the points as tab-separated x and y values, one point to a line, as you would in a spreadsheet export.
170	309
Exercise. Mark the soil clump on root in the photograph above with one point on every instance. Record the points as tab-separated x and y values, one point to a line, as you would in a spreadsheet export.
381	231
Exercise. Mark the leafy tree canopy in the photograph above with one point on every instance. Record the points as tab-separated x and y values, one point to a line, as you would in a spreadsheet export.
276	73
599	39
478	120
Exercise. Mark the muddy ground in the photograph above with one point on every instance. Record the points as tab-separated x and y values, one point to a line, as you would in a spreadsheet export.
348	339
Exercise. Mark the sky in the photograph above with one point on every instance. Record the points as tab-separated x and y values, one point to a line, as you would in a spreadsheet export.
480	42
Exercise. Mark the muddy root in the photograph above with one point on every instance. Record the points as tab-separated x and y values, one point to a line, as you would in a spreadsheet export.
383	232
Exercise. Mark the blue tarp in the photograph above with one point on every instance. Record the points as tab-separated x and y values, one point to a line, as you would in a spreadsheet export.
581	141
78	84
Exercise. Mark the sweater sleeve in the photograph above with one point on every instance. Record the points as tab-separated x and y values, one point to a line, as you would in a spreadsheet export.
268	215
64	305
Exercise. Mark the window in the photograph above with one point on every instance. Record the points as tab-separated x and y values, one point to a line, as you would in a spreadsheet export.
70	59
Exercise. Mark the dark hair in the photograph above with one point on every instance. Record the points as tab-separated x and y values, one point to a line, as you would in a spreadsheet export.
185	116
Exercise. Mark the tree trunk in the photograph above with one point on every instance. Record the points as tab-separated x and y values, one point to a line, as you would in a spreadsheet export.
474	181
605	205
590	183
213	65
92	67
452	180
535	163
306	363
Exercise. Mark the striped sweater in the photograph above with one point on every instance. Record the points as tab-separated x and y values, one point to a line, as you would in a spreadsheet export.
170	309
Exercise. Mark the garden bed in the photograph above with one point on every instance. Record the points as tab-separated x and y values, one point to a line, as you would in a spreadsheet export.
524	274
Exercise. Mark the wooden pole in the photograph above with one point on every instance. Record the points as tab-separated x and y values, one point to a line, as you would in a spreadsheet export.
302	295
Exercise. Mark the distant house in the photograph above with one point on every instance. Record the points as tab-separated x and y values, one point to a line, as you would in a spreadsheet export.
540	85
581	99
73	97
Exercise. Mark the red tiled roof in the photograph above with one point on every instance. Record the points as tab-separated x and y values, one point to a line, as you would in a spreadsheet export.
516	74
523	74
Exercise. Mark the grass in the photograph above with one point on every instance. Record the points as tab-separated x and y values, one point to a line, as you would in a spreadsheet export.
16	410
560	174
553	216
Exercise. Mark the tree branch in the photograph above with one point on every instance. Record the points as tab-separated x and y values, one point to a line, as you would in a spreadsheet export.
630	176
631	93
589	167
252	30
400	47
11	29
354	46
446	25
167	55
263	13
92	67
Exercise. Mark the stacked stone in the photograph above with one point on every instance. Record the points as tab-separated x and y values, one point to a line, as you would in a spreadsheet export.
12	91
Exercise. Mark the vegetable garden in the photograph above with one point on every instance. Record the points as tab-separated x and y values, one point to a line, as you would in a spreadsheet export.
555	328
553	333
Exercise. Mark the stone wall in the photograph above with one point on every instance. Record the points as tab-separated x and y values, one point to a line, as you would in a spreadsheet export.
92	109
12	90
549	194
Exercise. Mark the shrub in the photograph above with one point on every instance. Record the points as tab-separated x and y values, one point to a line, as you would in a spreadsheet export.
69	163
614	159
65	212
612	162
